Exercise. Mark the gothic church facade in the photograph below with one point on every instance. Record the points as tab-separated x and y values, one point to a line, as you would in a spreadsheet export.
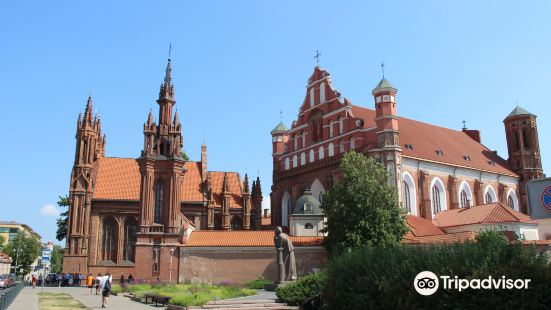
130	215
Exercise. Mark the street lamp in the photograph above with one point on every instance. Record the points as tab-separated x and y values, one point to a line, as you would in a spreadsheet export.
170	271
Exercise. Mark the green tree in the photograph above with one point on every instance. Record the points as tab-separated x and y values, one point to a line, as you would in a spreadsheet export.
57	259
63	220
362	208
2	240
184	156
24	249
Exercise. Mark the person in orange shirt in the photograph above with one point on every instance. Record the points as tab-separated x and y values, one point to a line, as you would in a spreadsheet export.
90	283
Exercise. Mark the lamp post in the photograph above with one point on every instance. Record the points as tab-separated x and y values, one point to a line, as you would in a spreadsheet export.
170	271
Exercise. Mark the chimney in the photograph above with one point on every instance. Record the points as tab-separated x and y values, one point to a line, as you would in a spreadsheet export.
204	162
474	134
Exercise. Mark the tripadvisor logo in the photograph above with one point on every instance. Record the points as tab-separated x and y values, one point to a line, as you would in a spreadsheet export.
426	283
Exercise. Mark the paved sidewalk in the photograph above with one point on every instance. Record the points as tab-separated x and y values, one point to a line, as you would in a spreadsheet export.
28	300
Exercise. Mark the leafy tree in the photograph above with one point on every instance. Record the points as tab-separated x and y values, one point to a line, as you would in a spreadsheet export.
24	250
57	259
184	156
2	240
63	220
362	208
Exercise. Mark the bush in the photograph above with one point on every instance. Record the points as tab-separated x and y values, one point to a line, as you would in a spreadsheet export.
304	288
259	283
382	277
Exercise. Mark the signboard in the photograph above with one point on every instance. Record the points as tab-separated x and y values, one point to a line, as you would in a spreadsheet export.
46	254
539	198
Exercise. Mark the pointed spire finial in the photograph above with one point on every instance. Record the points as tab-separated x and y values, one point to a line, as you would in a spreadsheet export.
464	125
176	119
246	182
281	115
88	111
383	69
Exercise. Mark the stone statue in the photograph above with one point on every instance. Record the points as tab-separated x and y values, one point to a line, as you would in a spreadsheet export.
287	269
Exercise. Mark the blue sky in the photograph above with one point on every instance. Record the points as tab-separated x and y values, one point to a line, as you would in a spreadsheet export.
237	64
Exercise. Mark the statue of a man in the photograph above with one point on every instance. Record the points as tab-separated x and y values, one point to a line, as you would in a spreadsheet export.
283	244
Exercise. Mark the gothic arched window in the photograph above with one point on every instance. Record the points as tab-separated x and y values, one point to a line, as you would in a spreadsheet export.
312	155
235	223
526	138
109	240
510	202
488	198
158	212
312	99
321	152
129	241
407	197
322	92
341	125
464	199
331	149
436	206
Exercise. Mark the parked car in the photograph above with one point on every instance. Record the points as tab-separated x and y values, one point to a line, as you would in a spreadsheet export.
5	281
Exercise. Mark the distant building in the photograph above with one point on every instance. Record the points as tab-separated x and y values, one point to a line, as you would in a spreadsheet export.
5	263
9	230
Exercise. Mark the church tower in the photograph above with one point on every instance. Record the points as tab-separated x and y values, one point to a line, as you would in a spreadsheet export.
90	147
523	147
162	169
388	151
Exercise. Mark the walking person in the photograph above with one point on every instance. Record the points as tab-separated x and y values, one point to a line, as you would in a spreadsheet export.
122	280
130	279
105	285
90	283
98	281
34	278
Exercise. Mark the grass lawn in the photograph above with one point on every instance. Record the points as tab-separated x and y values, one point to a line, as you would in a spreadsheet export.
53	301
186	294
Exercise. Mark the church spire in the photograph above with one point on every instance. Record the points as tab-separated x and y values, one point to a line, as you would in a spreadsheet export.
150	118
166	98
176	121
88	112
246	184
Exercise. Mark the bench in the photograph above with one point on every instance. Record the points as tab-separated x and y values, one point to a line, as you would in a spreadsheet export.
163	300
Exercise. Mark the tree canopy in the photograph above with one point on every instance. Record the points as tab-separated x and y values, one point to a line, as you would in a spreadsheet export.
63	220
24	250
362	207
57	259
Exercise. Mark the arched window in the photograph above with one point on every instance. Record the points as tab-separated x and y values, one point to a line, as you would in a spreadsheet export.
129	241
391	174
489	195
312	156
317	189
322	92
331	149
303	138
312	99
235	223
321	153
436	200
295	142
465	195
308	226
512	200
352	143
159	203
287	163
341	146
295	161
331	133
438	196
464	199
109	240
517	141
409	199
285	208
303	158
341	125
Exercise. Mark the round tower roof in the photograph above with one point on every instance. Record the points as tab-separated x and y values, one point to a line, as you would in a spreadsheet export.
308	204
279	128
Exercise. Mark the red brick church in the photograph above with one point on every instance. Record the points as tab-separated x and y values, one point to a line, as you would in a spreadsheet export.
433	168
129	215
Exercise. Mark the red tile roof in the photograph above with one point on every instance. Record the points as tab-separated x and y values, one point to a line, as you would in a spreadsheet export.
426	139
243	238
119	179
445	238
484	214
422	227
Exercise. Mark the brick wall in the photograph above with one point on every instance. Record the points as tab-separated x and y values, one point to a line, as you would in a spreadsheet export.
242	264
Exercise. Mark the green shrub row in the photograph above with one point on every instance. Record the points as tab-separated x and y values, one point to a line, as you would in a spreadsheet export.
302	289
382	277
259	283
